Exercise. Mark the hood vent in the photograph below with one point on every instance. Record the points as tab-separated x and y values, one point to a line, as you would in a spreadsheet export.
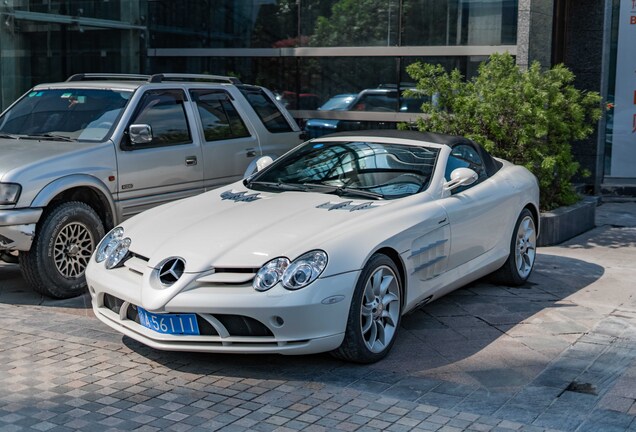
242	196
348	205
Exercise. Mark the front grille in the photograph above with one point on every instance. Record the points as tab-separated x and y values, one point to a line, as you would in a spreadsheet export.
236	325
205	328
113	303
239	325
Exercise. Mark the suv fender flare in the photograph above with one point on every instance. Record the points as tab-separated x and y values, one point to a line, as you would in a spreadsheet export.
58	186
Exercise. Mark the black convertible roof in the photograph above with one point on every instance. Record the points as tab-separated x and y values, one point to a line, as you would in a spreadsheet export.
437	138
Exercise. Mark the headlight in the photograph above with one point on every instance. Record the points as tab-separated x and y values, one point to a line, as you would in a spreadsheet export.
113	248
108	244
118	254
9	193
270	274
298	274
304	270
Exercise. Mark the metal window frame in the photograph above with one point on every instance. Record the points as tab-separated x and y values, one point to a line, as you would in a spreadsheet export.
68	19
390	51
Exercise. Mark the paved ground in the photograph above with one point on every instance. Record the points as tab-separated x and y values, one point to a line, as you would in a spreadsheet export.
557	353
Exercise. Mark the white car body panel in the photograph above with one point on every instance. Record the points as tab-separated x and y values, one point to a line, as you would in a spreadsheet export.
441	241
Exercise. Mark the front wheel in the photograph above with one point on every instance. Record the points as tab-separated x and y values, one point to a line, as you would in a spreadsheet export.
64	242
375	313
523	248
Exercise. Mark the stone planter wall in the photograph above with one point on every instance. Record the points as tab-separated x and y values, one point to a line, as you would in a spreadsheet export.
563	223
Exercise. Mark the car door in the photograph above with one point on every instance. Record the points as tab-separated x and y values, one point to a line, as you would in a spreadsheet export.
228	146
166	168
476	213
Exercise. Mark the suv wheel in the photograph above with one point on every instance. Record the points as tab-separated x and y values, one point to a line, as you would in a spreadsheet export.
64	242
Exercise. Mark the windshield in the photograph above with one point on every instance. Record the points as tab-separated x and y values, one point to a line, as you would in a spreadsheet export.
362	168
338	103
82	114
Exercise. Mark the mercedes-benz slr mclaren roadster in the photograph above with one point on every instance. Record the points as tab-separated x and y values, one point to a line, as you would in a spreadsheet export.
323	249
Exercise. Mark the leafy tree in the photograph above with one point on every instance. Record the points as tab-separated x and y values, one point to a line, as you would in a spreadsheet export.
529	117
356	23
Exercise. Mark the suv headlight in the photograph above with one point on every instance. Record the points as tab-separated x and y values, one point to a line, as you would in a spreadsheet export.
113	248
9	193
295	275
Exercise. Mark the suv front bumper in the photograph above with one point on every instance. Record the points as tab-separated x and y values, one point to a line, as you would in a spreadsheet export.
17	228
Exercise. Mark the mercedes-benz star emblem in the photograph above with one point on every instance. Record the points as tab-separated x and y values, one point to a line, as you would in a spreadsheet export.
171	271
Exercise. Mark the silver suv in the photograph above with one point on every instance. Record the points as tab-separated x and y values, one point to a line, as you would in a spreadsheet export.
78	157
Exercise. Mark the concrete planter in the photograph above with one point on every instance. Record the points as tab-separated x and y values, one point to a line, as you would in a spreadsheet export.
563	223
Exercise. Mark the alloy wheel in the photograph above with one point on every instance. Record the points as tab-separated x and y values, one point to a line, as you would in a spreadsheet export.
380	309
72	250
526	246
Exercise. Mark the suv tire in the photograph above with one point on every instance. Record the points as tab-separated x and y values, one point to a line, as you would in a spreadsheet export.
65	239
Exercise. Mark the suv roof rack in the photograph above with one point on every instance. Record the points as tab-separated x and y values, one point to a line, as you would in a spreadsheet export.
107	76
156	78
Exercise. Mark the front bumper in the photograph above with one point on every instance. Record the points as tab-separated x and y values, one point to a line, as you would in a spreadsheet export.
307	321
17	228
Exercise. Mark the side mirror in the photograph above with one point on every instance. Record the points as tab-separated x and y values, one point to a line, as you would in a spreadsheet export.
461	177
140	134
257	165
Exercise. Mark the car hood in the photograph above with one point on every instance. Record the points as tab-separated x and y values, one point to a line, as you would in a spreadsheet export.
235	227
18	153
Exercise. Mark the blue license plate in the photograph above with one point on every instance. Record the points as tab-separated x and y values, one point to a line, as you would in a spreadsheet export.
177	324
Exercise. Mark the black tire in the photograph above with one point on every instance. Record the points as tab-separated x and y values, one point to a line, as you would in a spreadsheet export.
65	239
375	314
518	267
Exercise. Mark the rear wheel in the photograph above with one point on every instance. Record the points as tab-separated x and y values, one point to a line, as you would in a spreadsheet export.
523	247
375	313
64	242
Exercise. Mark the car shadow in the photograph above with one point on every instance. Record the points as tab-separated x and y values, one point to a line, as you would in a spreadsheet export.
433	339
15	290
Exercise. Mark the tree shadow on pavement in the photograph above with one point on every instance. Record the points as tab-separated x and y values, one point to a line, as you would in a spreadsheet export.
607	236
448	339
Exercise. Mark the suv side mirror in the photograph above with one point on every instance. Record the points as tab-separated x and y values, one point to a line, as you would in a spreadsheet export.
461	177
140	134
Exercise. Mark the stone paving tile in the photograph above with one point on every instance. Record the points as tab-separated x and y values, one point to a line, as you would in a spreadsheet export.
60	369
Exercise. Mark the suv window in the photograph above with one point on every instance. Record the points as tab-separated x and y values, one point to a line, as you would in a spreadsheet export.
219	117
163	110
266	109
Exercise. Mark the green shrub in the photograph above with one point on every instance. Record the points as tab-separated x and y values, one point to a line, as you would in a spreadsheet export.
529	117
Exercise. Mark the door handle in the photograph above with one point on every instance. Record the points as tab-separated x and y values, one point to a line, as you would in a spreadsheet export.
191	160
250	152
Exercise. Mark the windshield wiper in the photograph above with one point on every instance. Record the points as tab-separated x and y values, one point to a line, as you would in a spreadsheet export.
49	136
278	185
6	135
345	191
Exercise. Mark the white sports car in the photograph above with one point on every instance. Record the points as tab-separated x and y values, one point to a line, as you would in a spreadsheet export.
322	250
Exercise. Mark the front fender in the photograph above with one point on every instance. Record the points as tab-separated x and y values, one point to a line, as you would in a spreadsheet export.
58	186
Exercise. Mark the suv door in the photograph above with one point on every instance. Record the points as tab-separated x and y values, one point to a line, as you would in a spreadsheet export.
167	167
228	146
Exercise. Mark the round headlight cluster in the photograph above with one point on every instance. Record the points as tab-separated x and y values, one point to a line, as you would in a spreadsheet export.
294	275
113	248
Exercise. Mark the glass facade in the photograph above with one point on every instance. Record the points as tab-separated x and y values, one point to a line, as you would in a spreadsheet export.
620	130
306	51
